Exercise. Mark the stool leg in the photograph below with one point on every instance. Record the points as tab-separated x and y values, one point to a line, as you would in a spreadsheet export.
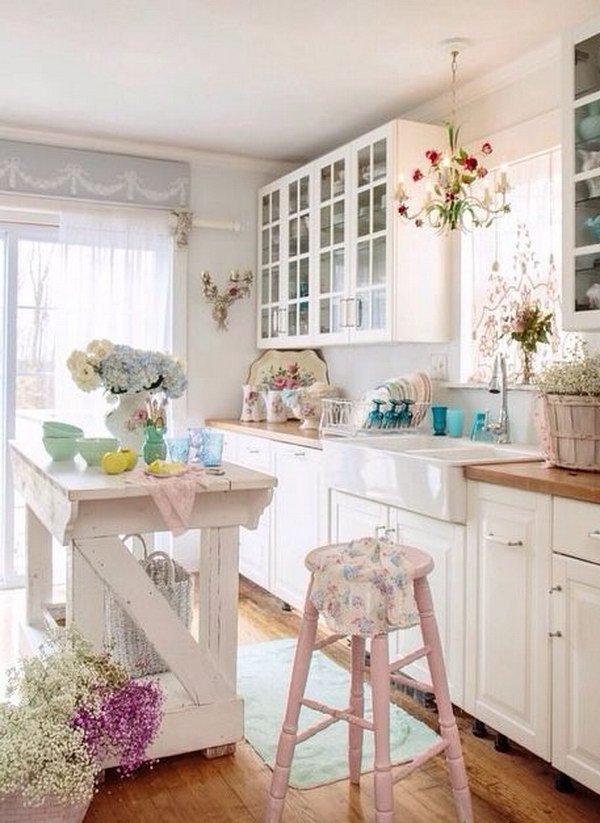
357	707
380	685
287	738
448	727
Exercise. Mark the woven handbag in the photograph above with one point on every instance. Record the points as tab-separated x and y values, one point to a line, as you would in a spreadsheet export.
129	644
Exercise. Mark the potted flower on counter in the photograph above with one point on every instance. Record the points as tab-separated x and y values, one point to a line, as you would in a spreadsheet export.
71	711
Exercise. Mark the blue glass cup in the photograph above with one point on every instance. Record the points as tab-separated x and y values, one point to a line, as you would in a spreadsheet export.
207	446
178	448
440	417
455	420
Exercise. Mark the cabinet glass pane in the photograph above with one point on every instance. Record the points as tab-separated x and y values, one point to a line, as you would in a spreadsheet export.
275	285
303	318
363	310
379	160
275	244
587	212
265	209
264	323
379	260
364	166
339	177
364	212
304	193
362	264
304	235
274	206
587	136
293	321
587	277
293	280
587	66
379	208
325	226
335	315
324	316
325	273
378	309
338	221
274	323
293	197
265	246
338	271
325	183
264	286
293	241
303	290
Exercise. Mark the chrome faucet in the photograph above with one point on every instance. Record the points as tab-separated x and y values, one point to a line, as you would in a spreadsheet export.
498	385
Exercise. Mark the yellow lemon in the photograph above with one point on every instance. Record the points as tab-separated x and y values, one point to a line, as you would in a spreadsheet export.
114	462
132	458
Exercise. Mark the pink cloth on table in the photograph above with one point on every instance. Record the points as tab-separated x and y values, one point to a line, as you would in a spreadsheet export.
173	496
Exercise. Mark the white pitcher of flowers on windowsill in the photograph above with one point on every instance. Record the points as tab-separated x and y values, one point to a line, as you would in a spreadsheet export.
129	377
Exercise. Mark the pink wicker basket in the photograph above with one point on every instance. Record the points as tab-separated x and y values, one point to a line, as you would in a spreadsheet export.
569	430
12	810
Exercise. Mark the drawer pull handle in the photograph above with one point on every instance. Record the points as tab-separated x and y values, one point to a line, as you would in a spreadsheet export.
299	454
555	589
253	451
554	634
503	540
595	535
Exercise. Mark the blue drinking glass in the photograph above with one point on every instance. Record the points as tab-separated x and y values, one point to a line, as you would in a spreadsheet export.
439	415
206	446
178	448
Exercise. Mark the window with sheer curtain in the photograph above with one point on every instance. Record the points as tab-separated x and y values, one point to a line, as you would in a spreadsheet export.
99	274
516	259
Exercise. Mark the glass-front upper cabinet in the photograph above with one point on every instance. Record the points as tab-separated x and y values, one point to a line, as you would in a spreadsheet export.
332	210
270	311
368	307
581	285
298	292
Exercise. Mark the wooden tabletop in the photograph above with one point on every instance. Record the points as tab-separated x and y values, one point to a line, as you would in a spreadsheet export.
539	477
289	432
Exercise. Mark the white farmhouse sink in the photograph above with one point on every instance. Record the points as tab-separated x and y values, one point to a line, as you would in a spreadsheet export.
418	472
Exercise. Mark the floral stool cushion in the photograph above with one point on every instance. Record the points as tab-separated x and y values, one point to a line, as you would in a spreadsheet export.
363	587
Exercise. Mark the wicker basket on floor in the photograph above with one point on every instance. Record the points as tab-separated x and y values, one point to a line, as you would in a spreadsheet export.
569	428
12	810
130	646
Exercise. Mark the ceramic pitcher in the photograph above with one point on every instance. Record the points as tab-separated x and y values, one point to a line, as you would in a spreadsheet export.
253	404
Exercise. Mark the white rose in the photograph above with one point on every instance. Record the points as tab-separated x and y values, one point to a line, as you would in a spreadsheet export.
76	361
97	350
87	378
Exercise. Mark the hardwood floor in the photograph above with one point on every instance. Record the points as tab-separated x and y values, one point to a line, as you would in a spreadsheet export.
507	788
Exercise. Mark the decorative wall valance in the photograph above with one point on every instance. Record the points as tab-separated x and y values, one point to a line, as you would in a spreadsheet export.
31	168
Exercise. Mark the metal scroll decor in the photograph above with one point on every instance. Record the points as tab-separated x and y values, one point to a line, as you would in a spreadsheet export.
238	286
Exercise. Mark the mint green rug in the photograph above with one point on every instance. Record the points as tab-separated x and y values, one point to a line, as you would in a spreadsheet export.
264	671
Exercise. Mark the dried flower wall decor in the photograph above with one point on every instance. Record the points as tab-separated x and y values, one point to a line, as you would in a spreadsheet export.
238	286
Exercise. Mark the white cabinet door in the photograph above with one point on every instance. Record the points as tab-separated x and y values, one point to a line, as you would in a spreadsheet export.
297	513
507	647
271	245
576	669
255	453
354	517
445	542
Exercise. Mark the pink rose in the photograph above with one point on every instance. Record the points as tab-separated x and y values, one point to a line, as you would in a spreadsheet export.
471	163
518	325
417	175
279	382
487	148
292	368
433	156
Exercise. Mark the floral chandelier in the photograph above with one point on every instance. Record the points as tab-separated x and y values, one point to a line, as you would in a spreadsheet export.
451	199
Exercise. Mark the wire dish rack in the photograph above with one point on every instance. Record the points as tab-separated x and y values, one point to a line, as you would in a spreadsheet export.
349	418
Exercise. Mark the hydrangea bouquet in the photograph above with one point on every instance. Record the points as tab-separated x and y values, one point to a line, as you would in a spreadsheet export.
70	710
121	369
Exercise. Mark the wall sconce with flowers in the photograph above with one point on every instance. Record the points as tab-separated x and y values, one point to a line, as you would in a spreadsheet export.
238	286
452	199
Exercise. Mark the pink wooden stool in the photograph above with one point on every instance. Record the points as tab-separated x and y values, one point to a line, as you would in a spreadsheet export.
420	565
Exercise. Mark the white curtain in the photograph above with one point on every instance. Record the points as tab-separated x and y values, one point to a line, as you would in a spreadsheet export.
116	283
518	258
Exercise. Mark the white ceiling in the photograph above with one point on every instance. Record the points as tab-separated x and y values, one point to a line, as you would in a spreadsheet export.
277	79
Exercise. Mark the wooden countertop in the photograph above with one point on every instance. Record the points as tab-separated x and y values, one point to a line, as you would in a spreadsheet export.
538	477
289	432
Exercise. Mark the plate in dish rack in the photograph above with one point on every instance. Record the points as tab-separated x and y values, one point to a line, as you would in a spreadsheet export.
311	368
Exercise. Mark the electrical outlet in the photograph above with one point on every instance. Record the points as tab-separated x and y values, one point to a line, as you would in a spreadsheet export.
439	366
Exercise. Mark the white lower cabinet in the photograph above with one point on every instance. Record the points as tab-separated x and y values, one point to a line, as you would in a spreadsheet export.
507	582
353	517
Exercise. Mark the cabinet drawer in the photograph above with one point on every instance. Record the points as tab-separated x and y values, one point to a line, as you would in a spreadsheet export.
254	452
577	529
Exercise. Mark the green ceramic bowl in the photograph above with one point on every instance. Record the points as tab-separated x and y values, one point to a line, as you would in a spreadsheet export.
60	448
54	428
92	448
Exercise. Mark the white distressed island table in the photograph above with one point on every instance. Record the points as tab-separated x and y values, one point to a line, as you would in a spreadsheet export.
87	511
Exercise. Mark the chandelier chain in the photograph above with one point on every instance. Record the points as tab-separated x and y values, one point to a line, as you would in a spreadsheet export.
454	68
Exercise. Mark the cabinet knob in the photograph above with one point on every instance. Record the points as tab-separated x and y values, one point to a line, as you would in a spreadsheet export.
554	634
556	589
504	541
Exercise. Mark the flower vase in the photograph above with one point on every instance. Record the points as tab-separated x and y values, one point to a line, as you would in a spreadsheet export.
126	420
154	447
527	366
